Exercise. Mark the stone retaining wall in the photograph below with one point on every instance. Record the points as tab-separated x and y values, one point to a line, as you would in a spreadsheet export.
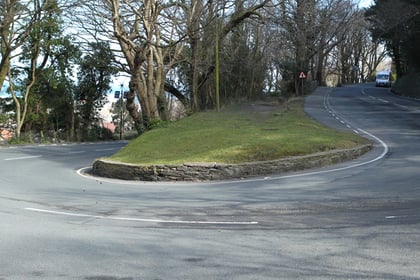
219	171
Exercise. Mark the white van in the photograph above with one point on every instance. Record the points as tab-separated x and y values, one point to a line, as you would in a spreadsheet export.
383	78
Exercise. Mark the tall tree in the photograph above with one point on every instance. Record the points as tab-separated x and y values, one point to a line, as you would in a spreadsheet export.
155	38
220	21
18	18
335	19
95	74
54	90
36	51
397	24
150	49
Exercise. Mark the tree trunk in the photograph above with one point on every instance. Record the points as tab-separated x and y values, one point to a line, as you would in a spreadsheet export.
303	19
194	17
132	108
320	69
4	68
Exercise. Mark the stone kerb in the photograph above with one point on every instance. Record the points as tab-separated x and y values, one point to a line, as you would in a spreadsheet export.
219	171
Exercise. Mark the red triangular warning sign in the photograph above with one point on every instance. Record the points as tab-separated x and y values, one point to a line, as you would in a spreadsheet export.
302	75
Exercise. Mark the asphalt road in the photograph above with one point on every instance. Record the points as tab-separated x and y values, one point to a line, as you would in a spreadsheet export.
356	220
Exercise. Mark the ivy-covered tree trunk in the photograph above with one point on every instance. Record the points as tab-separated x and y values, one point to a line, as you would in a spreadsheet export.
96	70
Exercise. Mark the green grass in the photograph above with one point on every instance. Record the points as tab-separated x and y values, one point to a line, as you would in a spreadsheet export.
235	136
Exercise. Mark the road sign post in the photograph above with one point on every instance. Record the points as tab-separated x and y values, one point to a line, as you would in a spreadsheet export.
302	76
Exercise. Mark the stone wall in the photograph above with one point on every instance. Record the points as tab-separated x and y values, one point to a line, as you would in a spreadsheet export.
219	171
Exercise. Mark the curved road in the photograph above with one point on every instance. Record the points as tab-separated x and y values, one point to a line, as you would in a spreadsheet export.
356	220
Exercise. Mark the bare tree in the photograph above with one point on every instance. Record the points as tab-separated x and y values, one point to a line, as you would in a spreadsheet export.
373	54
17	18
28	28
148	38
334	21
232	34
367	53
156	37
195	25
313	37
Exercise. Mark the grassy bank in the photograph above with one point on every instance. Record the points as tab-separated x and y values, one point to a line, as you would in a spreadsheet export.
235	135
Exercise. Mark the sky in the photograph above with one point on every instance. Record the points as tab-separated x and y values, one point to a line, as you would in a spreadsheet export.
3	90
365	3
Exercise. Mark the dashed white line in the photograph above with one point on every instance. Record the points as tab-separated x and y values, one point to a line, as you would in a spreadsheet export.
390	217
359	131
400	217
22	158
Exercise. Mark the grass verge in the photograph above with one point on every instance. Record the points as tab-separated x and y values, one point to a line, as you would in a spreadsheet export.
236	135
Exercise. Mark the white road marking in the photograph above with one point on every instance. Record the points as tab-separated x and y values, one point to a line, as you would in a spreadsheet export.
331	111
400	217
22	158
139	219
75	152
108	149
403	106
359	131
383	100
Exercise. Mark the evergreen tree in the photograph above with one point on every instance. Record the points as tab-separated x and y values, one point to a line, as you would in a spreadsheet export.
96	70
397	24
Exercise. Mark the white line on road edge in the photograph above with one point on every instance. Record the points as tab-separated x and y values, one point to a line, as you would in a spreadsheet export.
139	219
20	158
108	149
383	144
330	110
358	131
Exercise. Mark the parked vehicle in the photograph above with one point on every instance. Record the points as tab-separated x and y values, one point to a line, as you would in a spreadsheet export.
383	78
